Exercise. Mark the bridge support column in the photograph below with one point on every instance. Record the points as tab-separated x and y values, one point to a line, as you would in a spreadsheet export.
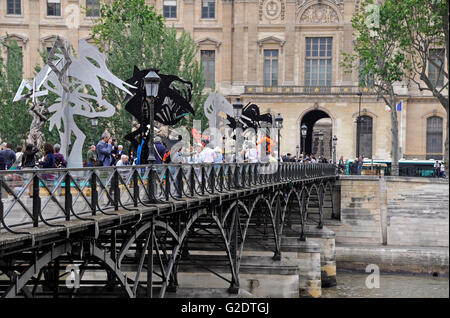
307	256
325	238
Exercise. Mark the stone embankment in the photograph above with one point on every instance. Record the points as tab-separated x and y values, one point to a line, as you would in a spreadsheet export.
398	223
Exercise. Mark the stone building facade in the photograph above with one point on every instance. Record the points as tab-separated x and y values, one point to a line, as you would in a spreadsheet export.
280	54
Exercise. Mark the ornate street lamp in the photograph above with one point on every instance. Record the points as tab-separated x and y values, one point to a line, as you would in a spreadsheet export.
320	134
237	112
151	83
94	123
304	130
279	125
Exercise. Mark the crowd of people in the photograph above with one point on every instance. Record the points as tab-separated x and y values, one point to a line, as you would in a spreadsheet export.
108	152
29	158
311	158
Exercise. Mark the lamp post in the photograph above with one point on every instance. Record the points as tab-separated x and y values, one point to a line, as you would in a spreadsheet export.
334	149
279	125
320	134
151	82
237	112
358	122
94	123
304	130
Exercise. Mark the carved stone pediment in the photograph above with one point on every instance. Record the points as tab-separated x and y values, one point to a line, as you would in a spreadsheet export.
318	13
14	36
338	3
50	39
208	41
271	40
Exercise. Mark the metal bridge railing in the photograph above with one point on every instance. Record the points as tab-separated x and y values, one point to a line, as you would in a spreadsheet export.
39	196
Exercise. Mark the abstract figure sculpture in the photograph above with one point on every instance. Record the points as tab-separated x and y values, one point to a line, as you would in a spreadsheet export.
251	117
217	108
220	114
76	83
170	105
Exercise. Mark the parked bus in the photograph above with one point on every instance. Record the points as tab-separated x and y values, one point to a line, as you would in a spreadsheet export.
410	168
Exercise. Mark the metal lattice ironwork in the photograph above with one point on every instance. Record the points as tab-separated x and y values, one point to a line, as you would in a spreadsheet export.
128	231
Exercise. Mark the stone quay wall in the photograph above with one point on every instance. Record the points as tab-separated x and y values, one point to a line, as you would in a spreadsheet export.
400	223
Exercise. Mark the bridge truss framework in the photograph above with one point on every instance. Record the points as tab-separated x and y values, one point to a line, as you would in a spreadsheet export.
122	223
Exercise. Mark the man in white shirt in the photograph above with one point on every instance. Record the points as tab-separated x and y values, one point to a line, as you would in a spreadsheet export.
442	170
208	154
252	153
436	169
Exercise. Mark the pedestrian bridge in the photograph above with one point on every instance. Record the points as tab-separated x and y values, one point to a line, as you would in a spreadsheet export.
56	223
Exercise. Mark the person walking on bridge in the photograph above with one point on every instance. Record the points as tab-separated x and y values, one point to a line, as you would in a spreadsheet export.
437	169
104	148
160	150
7	157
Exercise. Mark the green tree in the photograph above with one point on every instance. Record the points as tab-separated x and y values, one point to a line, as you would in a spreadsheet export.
131	33
14	117
377	45
425	28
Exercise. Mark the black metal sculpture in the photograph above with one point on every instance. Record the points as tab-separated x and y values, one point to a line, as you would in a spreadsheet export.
170	106
251	118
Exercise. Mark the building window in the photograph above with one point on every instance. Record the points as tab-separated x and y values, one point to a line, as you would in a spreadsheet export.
92	8
436	73
14	7
208	9
270	67
364	130
54	8
364	80
434	137
209	67
170	9
318	61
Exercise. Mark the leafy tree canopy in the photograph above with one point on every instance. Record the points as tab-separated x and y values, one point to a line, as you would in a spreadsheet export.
131	33
14	117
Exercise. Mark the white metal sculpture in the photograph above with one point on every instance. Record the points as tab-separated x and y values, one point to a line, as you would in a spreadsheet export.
77	83
216	109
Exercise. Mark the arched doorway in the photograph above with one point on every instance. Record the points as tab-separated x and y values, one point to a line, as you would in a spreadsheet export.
317	120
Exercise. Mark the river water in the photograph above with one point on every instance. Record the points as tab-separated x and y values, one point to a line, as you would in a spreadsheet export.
353	285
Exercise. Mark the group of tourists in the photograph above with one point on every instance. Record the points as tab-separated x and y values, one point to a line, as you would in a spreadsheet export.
439	169
108	152
309	158
29	159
